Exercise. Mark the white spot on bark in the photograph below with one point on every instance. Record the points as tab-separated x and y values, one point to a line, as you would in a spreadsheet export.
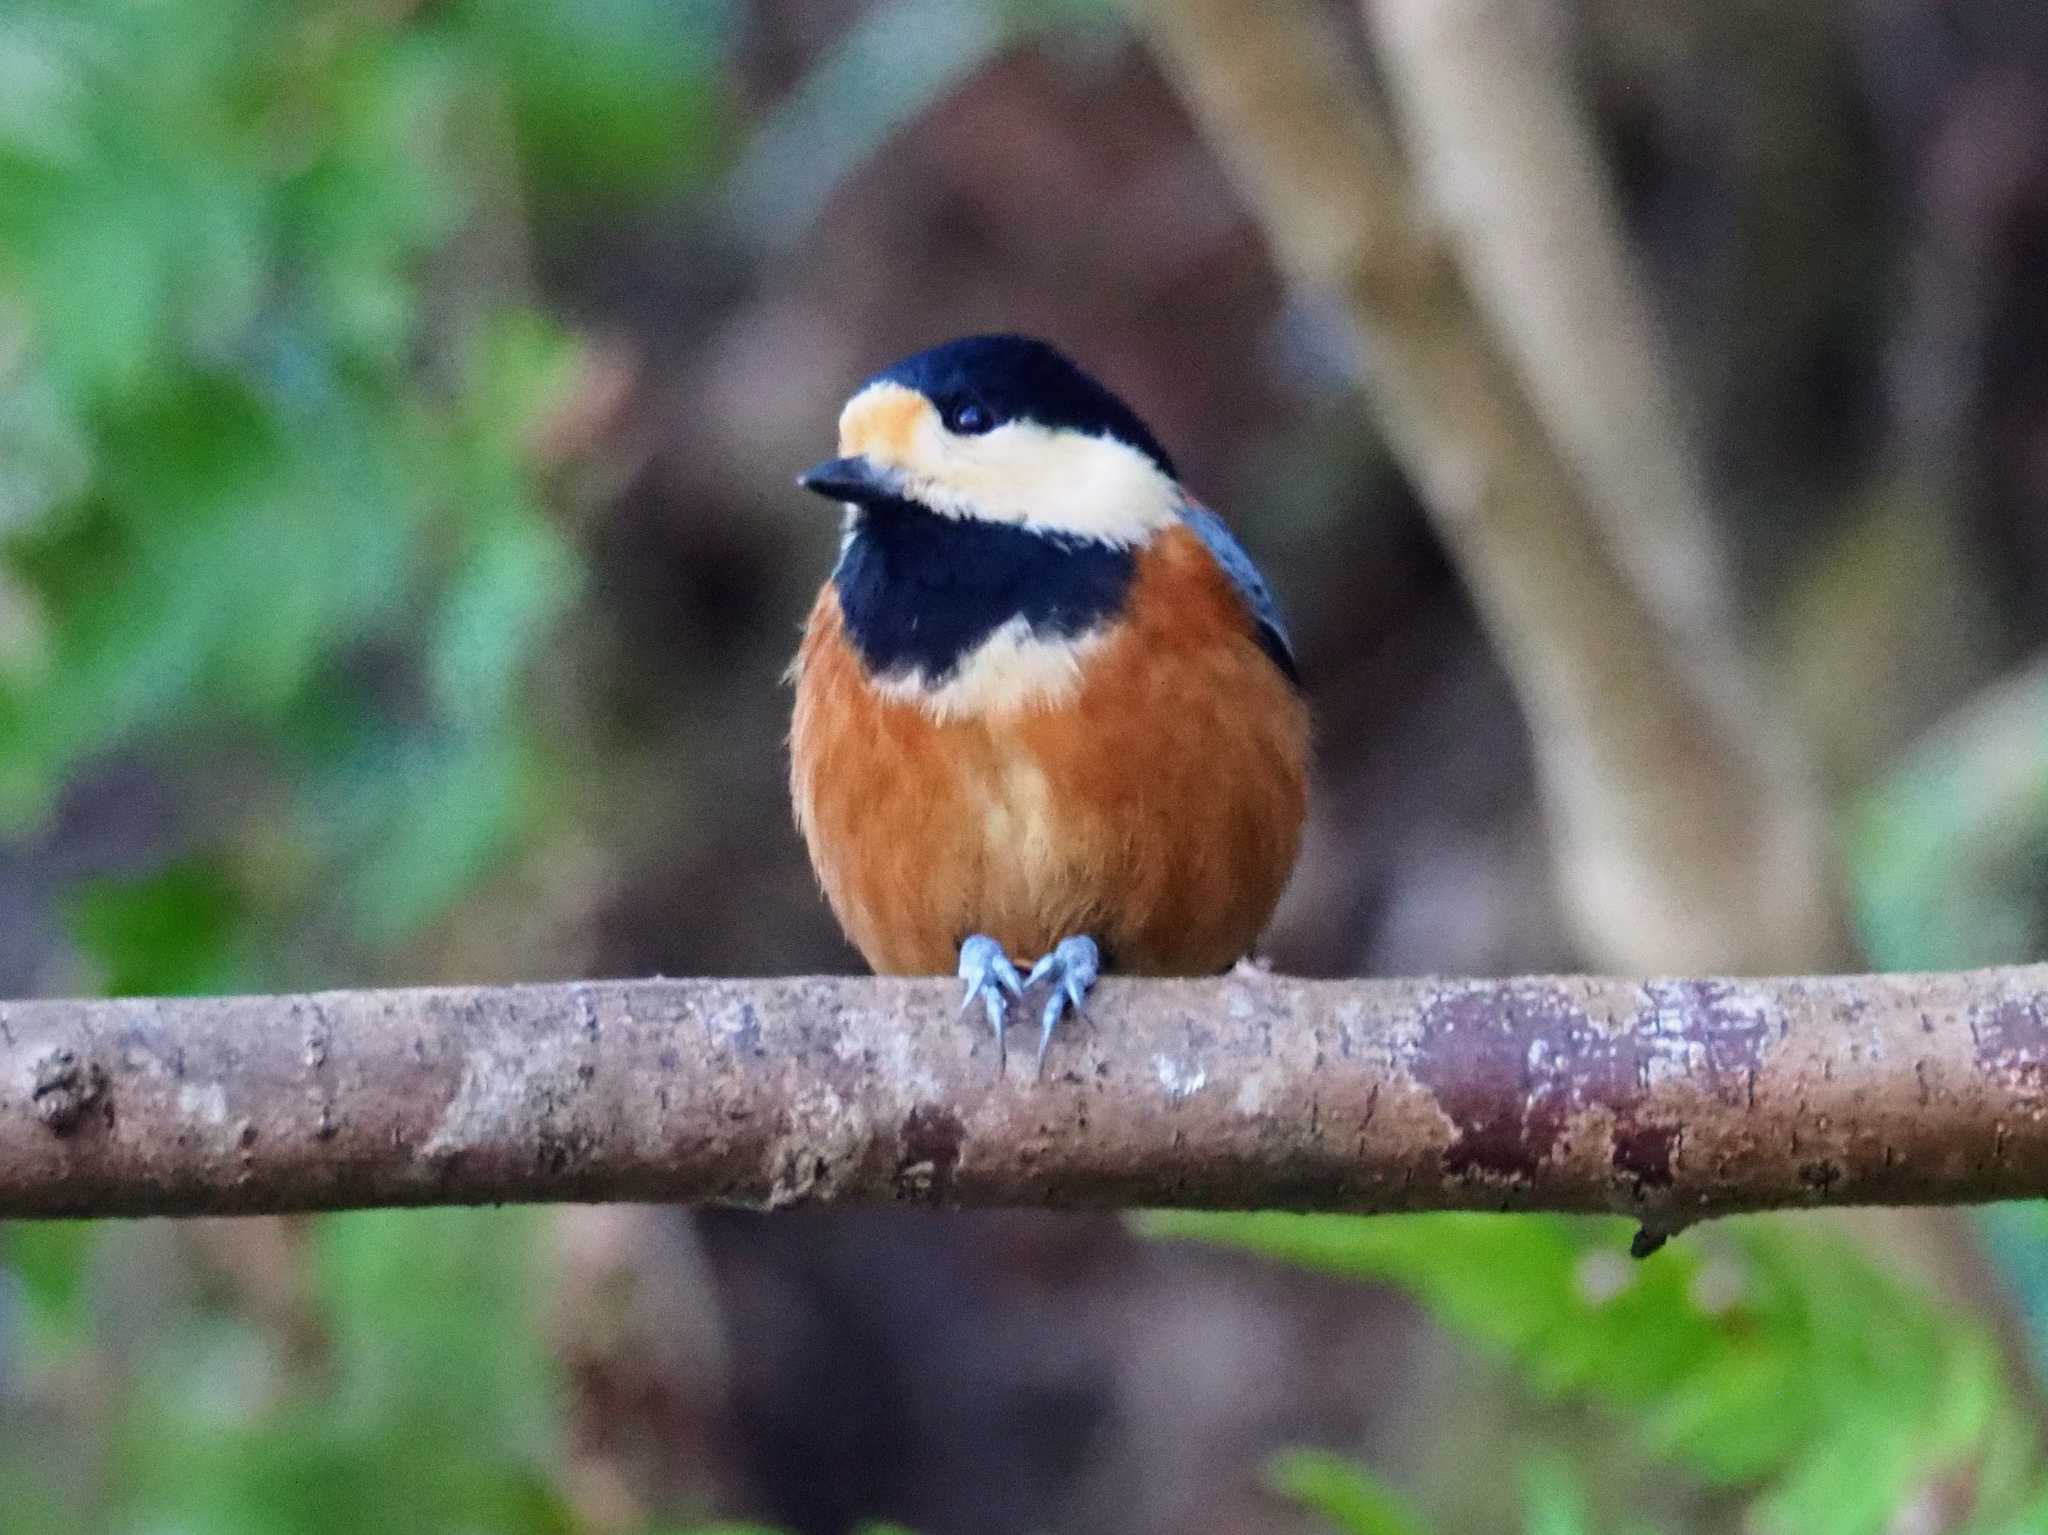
1181	1079
1251	1095
498	1073
824	1140
1672	1059
207	1103
900	1060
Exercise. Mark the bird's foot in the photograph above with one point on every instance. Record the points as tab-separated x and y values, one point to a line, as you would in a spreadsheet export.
1072	967
989	975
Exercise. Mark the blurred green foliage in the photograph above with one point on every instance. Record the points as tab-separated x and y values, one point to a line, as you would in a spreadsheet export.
271	500
1767	1360
273	505
177	929
1765	1357
1949	849
1342	1492
427	1410
1949	869
1352	1502
269	489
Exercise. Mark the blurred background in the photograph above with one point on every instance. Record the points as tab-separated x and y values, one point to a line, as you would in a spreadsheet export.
399	406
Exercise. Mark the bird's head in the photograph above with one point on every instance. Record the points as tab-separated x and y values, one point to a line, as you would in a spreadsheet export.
997	500
1001	430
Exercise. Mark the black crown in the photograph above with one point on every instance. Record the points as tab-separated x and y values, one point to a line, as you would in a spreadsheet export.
1020	378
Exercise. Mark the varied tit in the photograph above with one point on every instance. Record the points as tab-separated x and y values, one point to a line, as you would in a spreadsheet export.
1045	705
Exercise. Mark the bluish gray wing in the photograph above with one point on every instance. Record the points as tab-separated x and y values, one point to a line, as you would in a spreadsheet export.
1244	575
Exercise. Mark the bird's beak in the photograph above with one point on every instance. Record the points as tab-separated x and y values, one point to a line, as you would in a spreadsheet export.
858	479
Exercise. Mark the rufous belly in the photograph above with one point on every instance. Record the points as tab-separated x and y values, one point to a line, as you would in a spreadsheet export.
1157	806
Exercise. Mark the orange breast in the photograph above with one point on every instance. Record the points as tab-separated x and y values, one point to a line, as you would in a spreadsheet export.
1158	808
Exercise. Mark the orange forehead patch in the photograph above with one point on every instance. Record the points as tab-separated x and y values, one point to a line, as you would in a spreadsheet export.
881	422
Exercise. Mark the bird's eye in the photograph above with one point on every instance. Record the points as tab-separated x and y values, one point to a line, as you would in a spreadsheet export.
967	418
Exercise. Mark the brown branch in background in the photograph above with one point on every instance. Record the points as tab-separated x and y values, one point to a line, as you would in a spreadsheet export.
1509	169
1516	372
1687	836
1670	1101
1510	164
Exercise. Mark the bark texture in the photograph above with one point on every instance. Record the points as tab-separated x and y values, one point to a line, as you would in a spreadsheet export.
1667	1100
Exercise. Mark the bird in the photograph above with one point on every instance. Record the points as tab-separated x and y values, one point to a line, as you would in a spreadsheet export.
1046	707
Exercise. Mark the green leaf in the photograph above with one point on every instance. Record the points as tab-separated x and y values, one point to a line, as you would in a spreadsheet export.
176	931
1342	1492
1553	1500
518	578
433	1416
609	95
45	455
1736	1418
48	1259
1771	1355
2029	1520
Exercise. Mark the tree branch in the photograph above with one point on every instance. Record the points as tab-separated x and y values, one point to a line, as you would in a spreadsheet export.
1514	367
1670	1101
1686	831
1510	168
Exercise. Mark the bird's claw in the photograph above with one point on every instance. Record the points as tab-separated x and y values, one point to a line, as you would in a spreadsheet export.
1072	966
989	974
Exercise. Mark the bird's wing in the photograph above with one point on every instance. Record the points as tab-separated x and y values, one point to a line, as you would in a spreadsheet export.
1251	585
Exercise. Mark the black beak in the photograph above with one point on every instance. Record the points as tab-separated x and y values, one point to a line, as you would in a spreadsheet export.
858	479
